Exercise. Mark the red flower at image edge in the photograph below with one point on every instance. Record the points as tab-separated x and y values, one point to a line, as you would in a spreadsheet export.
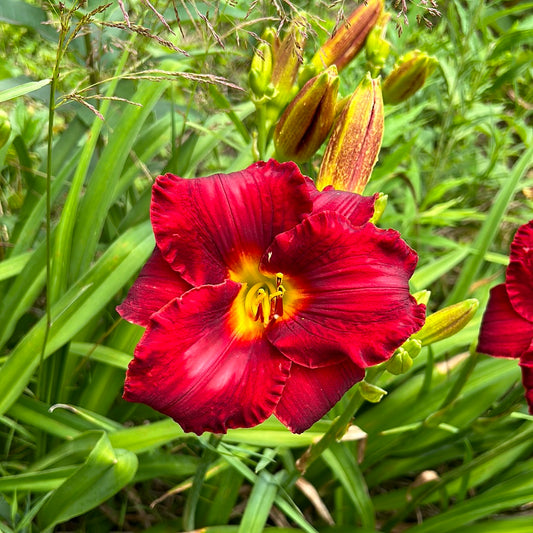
263	296
507	326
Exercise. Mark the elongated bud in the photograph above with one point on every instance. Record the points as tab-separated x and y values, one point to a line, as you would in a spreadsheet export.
261	69
287	60
5	128
408	76
354	145
307	120
350	37
446	322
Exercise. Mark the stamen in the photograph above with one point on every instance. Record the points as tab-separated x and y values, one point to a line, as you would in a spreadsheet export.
276	299
260	302
251	301
264	302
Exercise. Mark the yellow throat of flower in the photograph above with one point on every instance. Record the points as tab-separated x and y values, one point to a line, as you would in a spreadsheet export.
261	300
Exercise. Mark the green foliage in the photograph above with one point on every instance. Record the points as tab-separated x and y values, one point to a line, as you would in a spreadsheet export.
126	101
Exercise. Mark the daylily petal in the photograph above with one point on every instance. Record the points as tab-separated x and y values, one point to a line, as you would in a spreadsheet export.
503	333
156	285
351	295
519	278
192	366
311	392
526	364
207	227
356	208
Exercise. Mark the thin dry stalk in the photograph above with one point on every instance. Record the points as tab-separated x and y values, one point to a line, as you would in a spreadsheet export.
145	32
158	15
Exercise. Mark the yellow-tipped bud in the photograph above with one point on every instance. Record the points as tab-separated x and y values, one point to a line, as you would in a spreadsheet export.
287	59
446	322
5	128
408	76
354	145
307	120
350	37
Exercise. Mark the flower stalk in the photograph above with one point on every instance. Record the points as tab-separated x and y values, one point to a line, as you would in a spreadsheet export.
340	425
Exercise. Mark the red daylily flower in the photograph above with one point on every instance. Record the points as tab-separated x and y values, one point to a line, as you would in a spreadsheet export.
507	326
263	296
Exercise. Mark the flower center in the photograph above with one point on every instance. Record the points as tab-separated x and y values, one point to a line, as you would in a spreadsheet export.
264	302
261	300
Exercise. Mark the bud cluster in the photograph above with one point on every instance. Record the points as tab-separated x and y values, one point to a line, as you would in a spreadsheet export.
298	106
299	110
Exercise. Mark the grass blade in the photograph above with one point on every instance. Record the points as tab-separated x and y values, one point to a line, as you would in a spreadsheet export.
20	90
76	308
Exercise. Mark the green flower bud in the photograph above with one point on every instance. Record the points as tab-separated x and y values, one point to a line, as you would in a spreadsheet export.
307	72
5	128
349	38
408	76
422	297
307	120
353	148
412	347
371	393
261	69
379	207
447	322
271	37
377	48
400	362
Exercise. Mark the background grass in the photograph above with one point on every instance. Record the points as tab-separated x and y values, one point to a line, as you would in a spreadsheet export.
449	445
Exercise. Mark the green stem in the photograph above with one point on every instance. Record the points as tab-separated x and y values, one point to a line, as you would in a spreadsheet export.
261	130
339	426
51	111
